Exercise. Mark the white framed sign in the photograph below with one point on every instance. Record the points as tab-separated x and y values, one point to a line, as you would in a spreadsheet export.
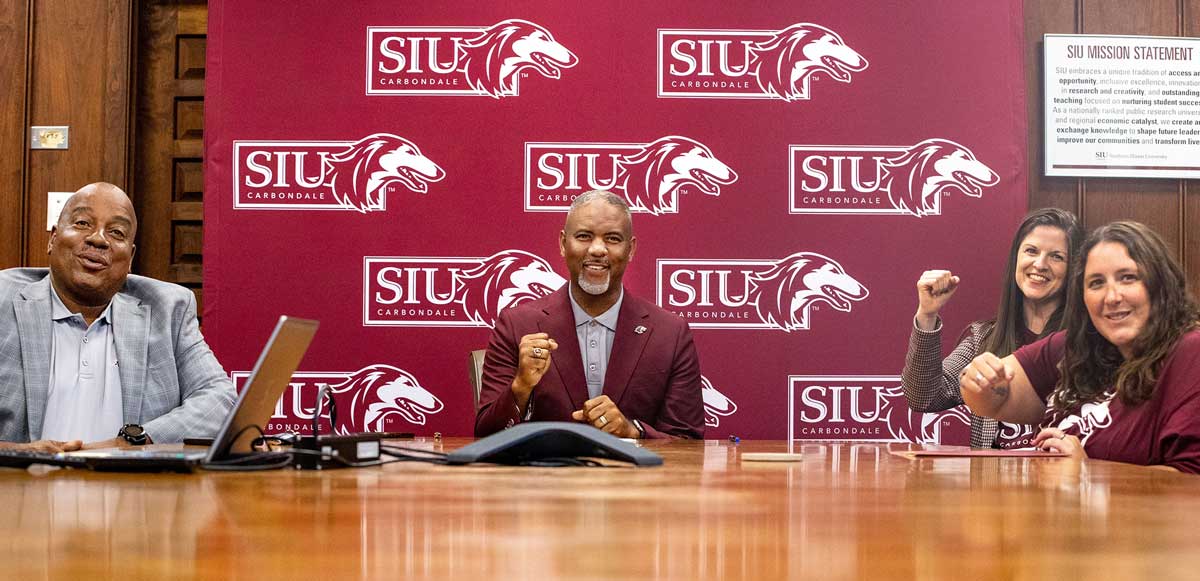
1122	106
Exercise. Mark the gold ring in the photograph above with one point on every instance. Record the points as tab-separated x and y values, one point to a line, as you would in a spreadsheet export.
603	420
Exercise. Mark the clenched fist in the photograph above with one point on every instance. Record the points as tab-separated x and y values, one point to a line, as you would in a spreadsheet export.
533	359
934	289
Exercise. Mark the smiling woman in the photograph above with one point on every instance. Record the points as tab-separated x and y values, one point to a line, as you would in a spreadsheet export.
1031	306
1122	380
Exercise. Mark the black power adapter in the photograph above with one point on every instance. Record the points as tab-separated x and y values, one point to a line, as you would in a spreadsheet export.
325	452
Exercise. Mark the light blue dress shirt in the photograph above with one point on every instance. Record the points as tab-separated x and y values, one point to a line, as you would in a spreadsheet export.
85	386
595	341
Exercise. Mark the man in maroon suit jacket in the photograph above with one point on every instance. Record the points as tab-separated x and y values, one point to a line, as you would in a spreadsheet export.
546	359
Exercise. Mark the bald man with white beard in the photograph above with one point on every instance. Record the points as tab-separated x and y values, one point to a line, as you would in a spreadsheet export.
590	352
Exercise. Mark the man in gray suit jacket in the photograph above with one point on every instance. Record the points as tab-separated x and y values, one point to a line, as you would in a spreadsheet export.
89	351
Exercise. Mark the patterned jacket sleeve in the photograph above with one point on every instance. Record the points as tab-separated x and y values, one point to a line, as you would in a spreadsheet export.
931	383
205	391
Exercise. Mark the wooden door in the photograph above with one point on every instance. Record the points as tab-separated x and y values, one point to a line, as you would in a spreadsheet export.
168	177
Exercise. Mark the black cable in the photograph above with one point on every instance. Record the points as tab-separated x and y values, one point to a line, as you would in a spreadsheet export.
402	454
233	466
562	463
412	450
339	459
246	463
316	419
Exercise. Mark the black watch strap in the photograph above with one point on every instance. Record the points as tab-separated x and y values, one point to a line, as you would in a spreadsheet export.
133	433
640	429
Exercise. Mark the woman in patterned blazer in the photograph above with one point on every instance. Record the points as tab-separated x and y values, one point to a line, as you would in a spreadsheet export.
1031	307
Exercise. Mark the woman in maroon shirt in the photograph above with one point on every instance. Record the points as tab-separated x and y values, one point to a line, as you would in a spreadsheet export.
1122	381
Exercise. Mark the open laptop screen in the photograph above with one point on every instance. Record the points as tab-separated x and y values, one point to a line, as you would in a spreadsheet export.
271	375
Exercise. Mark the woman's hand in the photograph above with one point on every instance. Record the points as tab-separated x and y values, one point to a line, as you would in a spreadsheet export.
1055	439
934	289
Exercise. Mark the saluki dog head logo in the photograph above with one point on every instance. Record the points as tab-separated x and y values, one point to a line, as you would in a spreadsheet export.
452	291
492	60
785	293
785	63
370	395
1090	418
904	423
716	404
359	175
502	280
915	179
652	177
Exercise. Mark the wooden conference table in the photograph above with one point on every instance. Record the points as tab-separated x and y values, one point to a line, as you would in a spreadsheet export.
847	510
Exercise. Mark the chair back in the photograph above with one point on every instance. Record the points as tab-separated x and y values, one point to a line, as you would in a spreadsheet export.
475	373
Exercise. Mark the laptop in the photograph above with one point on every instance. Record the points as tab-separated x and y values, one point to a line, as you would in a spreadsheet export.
272	373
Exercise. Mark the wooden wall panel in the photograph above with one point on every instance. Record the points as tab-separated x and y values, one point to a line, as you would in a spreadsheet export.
1171	207
1190	219
14	52
1154	202
80	77
1045	17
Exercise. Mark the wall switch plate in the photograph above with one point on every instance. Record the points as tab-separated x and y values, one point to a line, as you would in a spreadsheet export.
54	206
49	136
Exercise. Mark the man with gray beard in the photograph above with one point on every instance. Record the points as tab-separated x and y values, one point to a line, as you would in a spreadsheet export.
590	352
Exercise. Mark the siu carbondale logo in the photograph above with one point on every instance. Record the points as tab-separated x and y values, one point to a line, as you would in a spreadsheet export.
863	407
651	176
461	60
376	398
883	179
755	293
455	291
752	64
716	404
328	175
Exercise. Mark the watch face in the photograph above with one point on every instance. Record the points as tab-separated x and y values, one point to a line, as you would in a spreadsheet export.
133	431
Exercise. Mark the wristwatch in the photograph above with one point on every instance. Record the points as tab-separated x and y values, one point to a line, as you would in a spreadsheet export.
134	434
640	429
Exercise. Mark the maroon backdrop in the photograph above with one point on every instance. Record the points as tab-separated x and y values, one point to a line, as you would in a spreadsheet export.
399	171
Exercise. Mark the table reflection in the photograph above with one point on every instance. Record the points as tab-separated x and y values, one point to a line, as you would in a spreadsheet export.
845	510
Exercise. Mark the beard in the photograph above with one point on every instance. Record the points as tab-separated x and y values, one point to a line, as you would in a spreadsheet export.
594	289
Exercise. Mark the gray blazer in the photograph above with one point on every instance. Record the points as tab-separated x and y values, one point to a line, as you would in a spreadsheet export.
171	383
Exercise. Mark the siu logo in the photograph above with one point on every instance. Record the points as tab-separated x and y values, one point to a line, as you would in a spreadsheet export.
451	291
465	60
867	407
755	294
869	179
752	64
376	398
716	404
651	176
328	175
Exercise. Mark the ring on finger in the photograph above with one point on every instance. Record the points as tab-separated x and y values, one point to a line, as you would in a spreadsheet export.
602	420
537	351
978	377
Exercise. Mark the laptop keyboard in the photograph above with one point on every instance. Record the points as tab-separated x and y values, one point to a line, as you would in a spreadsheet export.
15	458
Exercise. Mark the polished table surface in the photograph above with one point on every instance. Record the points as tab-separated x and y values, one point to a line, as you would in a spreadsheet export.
846	510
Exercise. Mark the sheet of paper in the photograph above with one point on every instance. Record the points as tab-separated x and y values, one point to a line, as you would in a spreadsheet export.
964	451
